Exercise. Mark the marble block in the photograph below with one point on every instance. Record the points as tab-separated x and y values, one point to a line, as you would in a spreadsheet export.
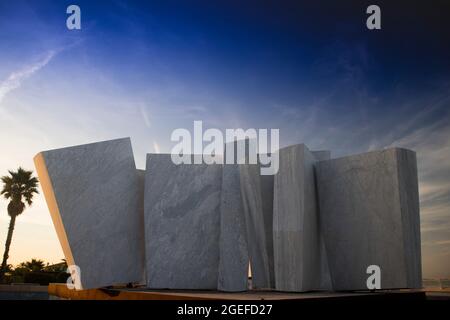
239	237
141	177
299	255
325	278
234	260
257	196
95	199
369	206
182	223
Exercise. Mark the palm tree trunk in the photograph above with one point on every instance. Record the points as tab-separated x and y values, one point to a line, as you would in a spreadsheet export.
12	222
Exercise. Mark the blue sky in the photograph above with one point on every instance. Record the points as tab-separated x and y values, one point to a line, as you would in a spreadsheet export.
310	68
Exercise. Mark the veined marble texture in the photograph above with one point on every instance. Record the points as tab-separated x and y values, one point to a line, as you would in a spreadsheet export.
246	227
369	206
316	225
325	278
257	196
300	259
234	258
95	199
182	223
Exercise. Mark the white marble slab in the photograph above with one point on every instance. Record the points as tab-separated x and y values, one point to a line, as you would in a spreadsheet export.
182	223
94	195
257	198
300	259
234	258
369	206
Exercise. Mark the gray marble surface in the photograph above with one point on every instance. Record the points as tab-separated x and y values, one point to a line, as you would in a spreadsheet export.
325	276
182	224
141	189
95	197
410	208
369	207
316	225
234	259
300	260
258	216
234	256
267	184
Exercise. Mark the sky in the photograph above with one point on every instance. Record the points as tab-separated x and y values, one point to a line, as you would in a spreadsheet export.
312	69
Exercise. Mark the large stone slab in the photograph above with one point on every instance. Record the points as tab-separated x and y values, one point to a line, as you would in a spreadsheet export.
246	223
410	209
182	223
257	195
369	206
234	238
267	185
325	279
234	259
300	260
95	198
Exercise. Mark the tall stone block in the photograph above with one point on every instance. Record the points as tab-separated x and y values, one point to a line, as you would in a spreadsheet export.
234	259
246	225
94	195
325	278
257	195
300	260
267	184
369	206
410	208
182	223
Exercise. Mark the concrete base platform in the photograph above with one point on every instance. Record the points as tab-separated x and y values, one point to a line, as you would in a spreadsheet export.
61	291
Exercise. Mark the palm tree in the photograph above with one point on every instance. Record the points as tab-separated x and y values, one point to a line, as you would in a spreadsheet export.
19	187
33	265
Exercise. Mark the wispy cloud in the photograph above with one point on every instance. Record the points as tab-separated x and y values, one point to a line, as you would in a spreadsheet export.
15	79
145	116
156	147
